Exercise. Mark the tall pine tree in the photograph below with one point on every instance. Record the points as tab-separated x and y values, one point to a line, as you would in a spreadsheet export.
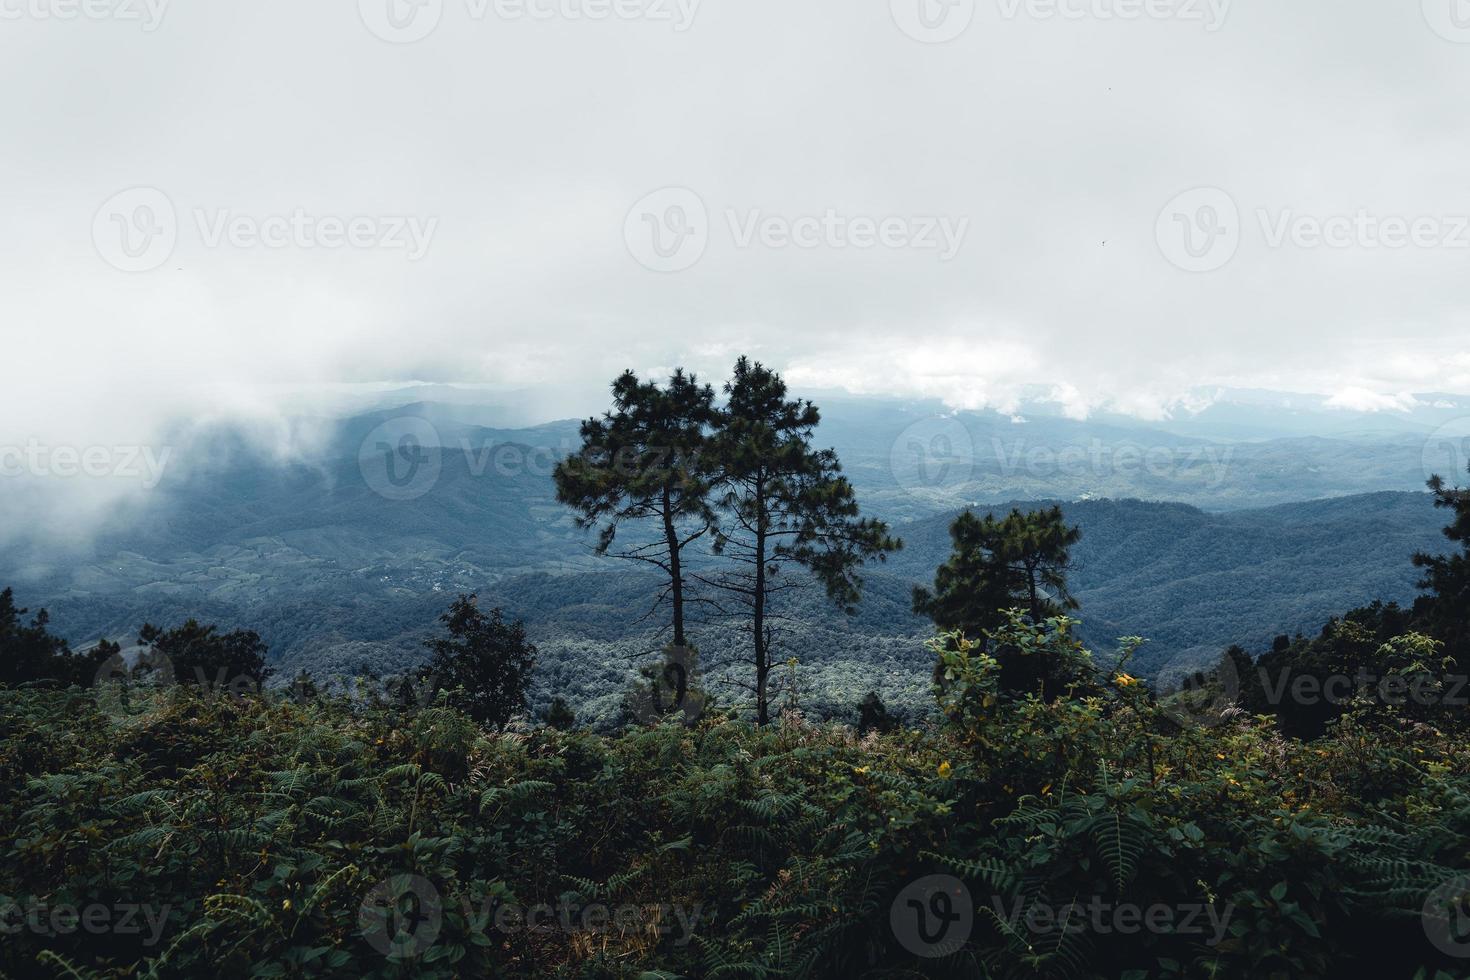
646	461
783	506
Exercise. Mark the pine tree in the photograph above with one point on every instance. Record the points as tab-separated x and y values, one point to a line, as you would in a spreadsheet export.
873	716
645	461
484	663
560	715
31	653
1019	562
783	505
1447	577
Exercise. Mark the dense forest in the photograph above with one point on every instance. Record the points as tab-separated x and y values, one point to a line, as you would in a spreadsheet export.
1295	809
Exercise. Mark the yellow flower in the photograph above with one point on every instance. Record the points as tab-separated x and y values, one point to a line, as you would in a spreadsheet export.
1125	680
945	769
861	770
286	905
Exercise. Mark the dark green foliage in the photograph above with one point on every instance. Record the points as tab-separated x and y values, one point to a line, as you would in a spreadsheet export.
484	664
559	715
30	653
263	832
1000	567
201	655
1020	561
1447	577
873	716
1369	657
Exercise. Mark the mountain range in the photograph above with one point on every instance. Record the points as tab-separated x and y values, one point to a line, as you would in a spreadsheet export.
342	558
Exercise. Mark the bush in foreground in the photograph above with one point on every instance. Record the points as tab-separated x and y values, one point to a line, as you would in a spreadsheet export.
1095	834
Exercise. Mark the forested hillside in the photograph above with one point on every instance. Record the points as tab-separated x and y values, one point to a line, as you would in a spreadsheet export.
363	594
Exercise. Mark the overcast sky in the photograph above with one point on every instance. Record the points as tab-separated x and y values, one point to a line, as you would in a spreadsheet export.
952	200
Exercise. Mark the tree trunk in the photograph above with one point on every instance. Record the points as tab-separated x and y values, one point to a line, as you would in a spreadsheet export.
762	655
1035	599
676	571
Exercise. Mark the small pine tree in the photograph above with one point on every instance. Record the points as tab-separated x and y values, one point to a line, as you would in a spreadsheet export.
560	715
873	716
484	664
1019	562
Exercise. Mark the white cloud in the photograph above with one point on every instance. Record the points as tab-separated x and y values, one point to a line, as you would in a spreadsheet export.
980	370
1363	400
530	142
